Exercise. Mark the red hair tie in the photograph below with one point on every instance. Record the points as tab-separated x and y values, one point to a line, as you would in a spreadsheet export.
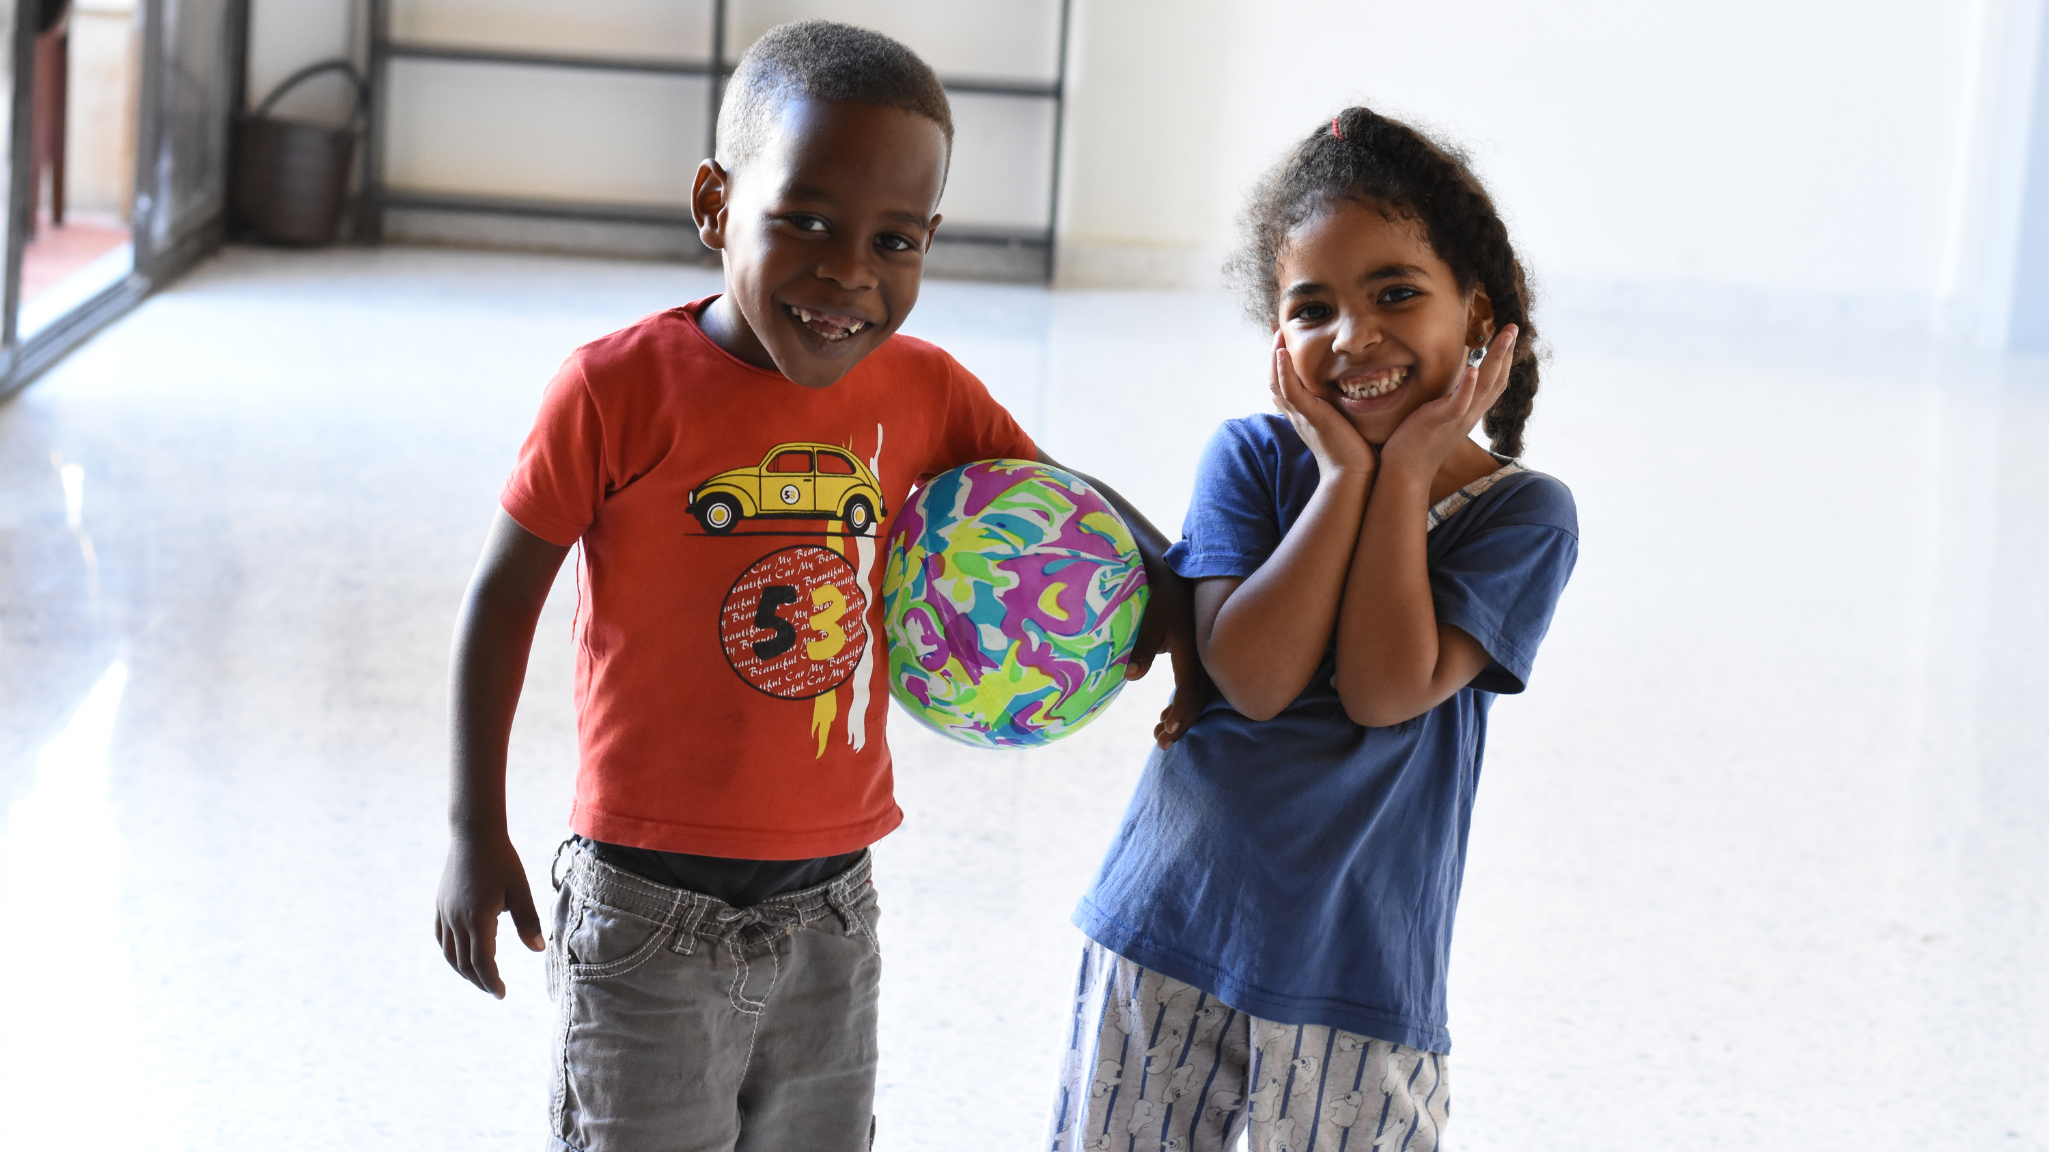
1335	130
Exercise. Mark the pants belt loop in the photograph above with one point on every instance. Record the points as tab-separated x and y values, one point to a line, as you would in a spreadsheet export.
555	865
690	913
842	904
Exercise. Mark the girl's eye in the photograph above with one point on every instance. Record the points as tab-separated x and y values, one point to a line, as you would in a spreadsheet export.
894	242
1398	294
1311	313
806	223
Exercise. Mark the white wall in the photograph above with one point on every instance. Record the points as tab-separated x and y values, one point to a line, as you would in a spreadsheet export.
2027	324
286	35
102	83
1818	153
1148	181
1846	159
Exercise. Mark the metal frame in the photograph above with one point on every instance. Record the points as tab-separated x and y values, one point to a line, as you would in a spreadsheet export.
22	115
378	196
159	265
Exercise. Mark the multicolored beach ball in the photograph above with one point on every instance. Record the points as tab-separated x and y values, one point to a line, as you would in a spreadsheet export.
1011	600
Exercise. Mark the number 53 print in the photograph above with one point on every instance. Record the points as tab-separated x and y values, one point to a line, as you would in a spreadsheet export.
795	623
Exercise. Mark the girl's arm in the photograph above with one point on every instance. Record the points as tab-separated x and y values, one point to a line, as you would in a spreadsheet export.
1262	637
1394	660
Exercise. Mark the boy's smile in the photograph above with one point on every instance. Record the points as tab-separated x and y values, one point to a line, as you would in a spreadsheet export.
823	233
1372	317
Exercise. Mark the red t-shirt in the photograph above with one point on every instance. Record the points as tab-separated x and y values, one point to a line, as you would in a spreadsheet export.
730	690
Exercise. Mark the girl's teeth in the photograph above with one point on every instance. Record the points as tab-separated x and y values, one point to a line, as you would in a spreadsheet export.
1379	387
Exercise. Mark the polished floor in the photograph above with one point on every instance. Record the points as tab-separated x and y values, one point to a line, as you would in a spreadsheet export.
1761	860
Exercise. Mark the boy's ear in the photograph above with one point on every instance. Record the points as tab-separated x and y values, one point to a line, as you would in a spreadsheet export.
710	193
931	231
1479	318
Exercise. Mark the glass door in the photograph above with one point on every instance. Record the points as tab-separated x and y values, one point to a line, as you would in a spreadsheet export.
81	178
118	160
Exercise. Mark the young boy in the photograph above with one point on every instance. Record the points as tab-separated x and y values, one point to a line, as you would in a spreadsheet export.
725	465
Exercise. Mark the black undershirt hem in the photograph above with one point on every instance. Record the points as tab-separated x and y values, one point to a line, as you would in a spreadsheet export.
740	883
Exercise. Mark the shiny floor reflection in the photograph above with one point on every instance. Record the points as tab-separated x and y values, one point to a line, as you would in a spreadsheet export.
1759	862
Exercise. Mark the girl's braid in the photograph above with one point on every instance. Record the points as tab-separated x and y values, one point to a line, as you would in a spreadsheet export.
1362	155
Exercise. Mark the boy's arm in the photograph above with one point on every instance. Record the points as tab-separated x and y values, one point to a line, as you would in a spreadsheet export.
493	634
1169	622
1395	661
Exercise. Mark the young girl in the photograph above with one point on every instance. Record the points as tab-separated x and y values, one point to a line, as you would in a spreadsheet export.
1268	933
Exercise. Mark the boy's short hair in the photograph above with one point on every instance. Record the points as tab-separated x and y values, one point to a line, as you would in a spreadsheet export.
821	60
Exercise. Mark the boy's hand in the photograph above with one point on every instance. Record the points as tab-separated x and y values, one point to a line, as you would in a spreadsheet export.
1428	435
1337	445
492	638
1169	626
1169	619
1191	690
480	881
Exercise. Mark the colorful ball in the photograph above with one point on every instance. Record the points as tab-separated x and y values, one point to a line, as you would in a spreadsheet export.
1011	598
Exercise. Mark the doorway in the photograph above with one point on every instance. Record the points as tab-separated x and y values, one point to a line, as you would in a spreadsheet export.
117	173
81	192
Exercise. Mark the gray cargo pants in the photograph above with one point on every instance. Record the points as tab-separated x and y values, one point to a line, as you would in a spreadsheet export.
686	1025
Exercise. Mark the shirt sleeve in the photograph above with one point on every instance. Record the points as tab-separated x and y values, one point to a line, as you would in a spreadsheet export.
1233	521
1500	586
559	481
977	427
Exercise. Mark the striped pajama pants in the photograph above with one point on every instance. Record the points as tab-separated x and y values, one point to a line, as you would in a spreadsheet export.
1156	1065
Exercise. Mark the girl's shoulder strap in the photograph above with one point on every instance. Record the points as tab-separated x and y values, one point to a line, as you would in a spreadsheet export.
1513	495
1448	507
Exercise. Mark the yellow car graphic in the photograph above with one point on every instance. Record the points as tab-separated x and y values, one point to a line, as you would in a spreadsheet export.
811	481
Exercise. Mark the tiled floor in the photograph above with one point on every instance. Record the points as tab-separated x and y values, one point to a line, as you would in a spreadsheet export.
58	250
65	265
1760	860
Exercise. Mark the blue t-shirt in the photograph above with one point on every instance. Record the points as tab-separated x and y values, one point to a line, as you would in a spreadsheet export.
1305	869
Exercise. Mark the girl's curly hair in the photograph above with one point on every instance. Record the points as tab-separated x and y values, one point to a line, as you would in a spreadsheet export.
1364	156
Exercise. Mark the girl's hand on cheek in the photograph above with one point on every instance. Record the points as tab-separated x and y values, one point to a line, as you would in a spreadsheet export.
1428	435
1337	445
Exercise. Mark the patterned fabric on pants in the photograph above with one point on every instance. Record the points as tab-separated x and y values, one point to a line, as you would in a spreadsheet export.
1156	1065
